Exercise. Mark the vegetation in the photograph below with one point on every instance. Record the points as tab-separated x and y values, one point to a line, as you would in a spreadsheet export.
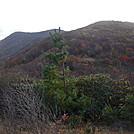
103	47
63	98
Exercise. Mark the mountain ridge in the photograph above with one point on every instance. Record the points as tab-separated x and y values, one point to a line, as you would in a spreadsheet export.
18	41
90	48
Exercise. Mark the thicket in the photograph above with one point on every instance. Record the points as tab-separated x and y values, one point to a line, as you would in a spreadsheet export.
94	98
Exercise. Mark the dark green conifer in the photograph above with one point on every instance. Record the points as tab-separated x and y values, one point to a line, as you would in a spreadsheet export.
57	58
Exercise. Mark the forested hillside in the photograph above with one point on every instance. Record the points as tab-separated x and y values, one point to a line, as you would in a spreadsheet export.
100	47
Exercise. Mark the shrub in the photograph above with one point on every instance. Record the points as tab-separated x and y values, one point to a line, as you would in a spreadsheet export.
23	107
127	110
98	86
107	61
110	114
71	101
98	89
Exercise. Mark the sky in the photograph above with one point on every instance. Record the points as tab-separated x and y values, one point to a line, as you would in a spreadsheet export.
41	15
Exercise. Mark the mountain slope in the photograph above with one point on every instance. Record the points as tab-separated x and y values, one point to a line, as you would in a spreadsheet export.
16	42
94	40
119	35
102	46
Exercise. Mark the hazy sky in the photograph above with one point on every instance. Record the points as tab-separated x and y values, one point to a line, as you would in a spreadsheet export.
41	15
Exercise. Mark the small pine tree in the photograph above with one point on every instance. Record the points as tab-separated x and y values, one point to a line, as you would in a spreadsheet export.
57	57
59	90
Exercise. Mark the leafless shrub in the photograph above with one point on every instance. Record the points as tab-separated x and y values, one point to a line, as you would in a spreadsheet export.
24	109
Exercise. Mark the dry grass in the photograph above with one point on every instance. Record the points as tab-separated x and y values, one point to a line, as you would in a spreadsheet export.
54	128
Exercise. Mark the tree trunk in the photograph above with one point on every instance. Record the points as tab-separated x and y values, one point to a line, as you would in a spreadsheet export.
64	79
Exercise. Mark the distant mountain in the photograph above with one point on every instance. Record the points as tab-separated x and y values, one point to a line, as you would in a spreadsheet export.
16	42
100	47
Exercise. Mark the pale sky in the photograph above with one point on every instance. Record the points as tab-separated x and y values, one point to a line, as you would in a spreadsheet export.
41	15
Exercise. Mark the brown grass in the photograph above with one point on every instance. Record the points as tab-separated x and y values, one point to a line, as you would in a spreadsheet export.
5	128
